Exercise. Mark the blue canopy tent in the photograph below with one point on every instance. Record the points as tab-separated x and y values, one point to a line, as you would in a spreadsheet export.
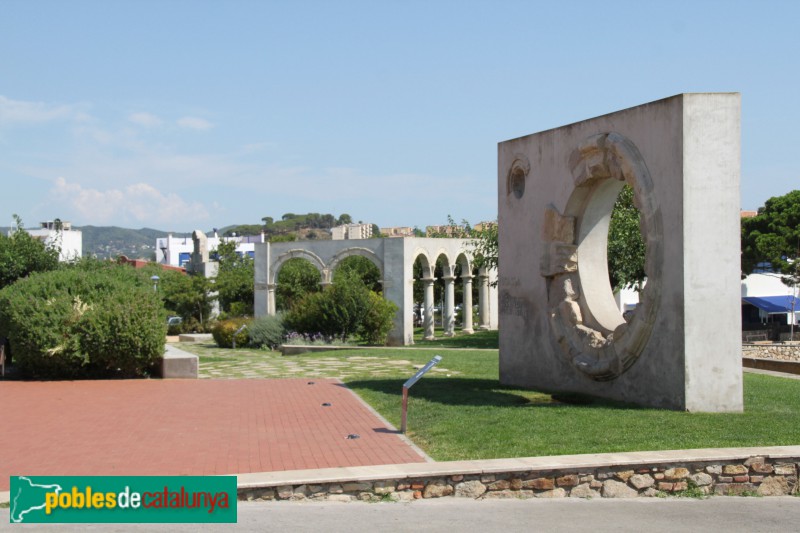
774	304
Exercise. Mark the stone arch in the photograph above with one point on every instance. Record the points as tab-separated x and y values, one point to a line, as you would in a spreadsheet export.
586	324
356	251
311	257
427	264
463	260
427	279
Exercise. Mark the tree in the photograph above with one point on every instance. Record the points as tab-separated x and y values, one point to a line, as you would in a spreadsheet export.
235	282
771	239
344	218
363	268
267	221
21	255
626	248
186	295
344	309
296	278
486	252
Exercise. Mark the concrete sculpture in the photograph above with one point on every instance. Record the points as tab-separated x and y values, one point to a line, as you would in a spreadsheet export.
560	330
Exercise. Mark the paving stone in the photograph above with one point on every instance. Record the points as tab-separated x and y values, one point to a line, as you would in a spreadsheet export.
701	479
555	493
734	470
673	474
584	491
541	483
617	489
642	481
437	489
773	486
470	489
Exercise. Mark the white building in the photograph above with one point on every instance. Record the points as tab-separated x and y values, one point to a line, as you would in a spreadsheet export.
177	251
61	234
351	231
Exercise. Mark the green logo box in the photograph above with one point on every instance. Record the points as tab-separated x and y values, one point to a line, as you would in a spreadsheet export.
123	499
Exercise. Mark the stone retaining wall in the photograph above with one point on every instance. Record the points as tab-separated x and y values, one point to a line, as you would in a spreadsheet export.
780	352
756	476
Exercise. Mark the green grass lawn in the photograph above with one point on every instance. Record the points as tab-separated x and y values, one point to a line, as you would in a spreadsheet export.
461	411
479	339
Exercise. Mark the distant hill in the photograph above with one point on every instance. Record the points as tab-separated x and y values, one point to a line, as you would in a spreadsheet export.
108	242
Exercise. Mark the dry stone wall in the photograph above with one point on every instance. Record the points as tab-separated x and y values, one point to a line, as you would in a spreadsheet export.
756	476
778	352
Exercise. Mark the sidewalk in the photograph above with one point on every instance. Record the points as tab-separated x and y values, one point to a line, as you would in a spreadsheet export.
189	427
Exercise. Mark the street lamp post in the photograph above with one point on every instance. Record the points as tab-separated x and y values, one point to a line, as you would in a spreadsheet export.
155	279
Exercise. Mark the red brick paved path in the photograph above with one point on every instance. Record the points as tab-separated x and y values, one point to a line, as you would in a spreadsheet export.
187	427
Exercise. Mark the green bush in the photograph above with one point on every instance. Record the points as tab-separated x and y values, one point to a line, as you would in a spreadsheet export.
344	309
377	322
224	330
267	331
73	323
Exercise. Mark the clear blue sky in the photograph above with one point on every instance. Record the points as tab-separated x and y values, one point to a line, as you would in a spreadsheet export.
198	114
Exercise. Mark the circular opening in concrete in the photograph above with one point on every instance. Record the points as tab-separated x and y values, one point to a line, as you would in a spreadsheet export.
603	312
517	181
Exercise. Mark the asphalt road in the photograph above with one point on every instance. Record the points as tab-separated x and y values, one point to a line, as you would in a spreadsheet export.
653	515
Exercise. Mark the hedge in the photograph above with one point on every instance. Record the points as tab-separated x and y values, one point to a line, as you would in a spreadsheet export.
74	323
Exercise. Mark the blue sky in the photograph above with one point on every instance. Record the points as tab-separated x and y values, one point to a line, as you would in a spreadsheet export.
197	114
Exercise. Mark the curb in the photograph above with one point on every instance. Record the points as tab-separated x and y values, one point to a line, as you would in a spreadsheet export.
668	471
285	484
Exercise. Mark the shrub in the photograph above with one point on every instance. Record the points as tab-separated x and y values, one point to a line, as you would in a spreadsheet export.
72	323
344	309
377	320
267	331
224	330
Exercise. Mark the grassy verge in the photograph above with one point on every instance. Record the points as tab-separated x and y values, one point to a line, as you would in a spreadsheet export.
479	339
462	412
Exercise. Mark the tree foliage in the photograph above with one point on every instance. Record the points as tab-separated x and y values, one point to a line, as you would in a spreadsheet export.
626	248
21	255
296	278
485	248
363	268
187	296
346	308
235	281
773	237
78	323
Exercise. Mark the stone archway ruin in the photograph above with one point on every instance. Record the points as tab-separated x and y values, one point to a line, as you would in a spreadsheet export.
395	260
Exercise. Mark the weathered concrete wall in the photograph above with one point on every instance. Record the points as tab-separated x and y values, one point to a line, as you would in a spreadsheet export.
560	330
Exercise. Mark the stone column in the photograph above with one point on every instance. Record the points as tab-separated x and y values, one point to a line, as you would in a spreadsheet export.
428	318
326	278
483	299
449	310
466	305
271	299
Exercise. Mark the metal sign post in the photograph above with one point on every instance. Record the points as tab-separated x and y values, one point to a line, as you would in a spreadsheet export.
408	384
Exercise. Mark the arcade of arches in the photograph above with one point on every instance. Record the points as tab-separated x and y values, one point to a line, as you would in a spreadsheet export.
448	261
